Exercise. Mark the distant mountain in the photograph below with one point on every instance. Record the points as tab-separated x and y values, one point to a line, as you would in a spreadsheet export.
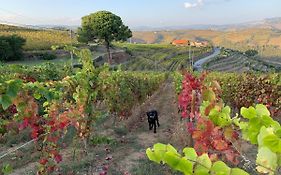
274	23
40	27
168	28
269	23
59	27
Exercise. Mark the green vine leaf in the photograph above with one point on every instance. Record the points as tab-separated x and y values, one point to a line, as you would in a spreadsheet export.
220	168
237	171
267	161
6	101
13	88
204	165
190	154
248	113
209	95
262	110
221	117
152	156
273	142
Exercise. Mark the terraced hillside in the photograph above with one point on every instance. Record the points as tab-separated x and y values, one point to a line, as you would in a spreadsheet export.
234	61
160	57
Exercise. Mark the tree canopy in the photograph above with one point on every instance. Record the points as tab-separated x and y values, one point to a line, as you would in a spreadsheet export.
11	47
251	53
103	26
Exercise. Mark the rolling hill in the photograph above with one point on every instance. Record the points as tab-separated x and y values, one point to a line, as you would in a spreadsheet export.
266	41
264	36
37	39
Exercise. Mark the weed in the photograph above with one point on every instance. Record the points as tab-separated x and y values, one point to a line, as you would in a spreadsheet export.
146	167
98	140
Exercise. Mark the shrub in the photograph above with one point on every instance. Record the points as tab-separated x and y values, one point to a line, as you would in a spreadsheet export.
11	47
5	50
48	56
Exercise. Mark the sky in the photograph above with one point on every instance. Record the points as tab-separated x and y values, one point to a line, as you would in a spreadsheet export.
135	13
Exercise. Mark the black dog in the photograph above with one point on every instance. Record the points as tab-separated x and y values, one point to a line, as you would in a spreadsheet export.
152	117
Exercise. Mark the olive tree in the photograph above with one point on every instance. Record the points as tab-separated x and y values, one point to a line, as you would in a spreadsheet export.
104	27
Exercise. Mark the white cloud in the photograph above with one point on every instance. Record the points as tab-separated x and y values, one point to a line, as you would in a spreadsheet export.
193	5
189	5
200	2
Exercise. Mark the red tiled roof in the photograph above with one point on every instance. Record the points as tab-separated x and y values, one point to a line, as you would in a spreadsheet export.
178	42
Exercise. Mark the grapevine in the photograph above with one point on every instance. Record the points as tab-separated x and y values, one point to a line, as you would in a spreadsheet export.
49	107
190	163
214	129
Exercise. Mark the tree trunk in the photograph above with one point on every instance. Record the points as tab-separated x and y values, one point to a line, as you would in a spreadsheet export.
109	56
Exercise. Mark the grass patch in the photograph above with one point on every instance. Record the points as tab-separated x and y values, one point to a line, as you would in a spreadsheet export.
81	165
121	131
12	138
113	171
98	140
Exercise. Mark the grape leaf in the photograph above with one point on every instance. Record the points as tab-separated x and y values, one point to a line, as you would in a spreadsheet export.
152	156
170	148
248	113
279	160
268	121
253	130
237	171
203	107
264	132
209	95
273	142
6	101
190	154
37	95
220	144
278	132
185	166
220	168
13	87
171	159
262	110
159	146
267	159
203	166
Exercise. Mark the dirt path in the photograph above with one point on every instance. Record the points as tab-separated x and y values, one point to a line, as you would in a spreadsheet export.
163	102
